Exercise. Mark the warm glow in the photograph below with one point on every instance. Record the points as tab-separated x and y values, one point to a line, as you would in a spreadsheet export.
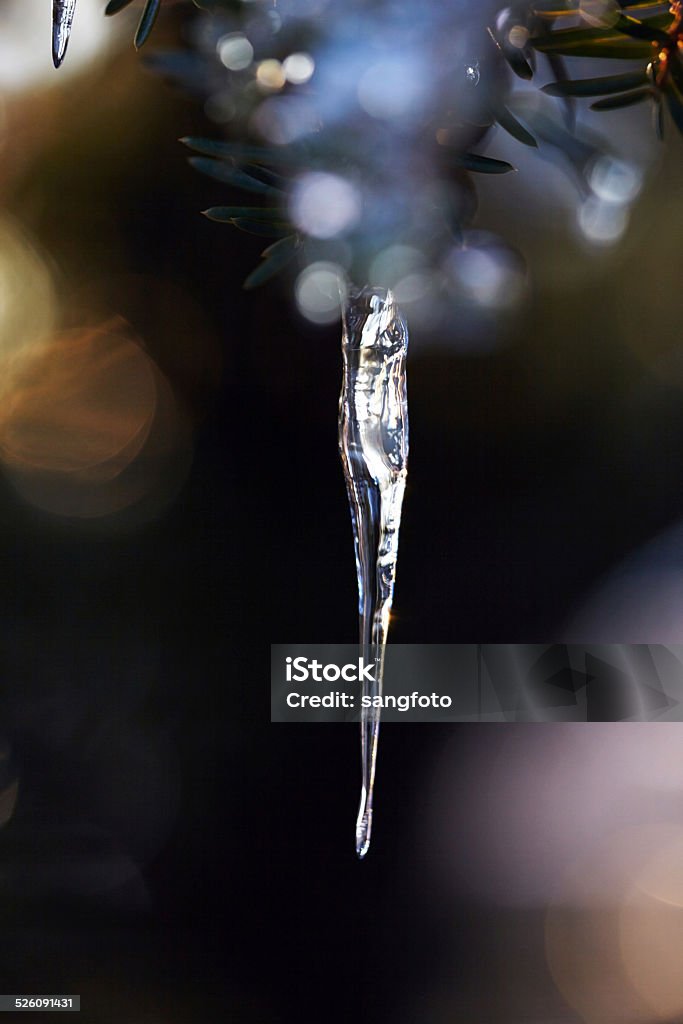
87	423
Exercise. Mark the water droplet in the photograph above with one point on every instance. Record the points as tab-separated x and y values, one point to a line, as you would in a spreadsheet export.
472	73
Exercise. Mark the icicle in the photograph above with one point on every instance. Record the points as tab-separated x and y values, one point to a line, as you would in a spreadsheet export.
62	17
373	442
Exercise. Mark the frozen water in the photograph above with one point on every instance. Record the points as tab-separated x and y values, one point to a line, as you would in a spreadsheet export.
62	18
373	441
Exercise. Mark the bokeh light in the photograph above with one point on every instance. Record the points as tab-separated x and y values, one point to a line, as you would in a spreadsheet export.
298	68
324	205
28	306
235	51
615	953
614	180
486	273
270	75
552	795
572	829
88	424
319	291
80	402
602	223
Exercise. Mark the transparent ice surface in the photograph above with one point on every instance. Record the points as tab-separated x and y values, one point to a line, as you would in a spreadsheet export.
62	18
373	442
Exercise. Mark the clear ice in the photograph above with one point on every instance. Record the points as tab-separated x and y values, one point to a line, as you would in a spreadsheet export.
373	442
62	18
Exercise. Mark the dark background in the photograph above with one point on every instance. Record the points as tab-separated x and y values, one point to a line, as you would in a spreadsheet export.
172	856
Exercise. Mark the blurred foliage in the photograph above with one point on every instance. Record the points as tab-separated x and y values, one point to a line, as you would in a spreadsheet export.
655	41
149	15
649	34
